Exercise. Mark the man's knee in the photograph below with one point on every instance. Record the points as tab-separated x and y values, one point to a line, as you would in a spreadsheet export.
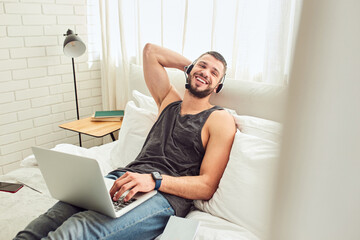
49	221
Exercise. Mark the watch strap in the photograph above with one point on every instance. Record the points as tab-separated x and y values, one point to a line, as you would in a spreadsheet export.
157	184
157	178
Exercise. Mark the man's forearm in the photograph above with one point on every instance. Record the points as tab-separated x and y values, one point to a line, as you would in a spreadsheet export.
190	187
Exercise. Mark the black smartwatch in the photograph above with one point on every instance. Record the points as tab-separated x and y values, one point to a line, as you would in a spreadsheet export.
157	177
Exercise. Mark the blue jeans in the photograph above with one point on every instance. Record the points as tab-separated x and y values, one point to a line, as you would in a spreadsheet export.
65	221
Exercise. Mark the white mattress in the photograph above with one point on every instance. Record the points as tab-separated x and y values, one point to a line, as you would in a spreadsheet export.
18	209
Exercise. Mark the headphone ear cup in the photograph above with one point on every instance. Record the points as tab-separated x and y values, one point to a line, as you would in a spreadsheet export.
189	68
218	89
187	72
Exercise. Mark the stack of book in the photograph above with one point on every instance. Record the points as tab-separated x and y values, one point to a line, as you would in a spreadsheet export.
108	116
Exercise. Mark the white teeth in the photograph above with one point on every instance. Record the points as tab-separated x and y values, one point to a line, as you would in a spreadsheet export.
201	80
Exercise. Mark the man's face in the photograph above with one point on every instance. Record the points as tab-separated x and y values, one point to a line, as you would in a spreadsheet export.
205	76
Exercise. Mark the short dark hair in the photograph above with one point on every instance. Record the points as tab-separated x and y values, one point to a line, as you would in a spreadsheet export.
217	56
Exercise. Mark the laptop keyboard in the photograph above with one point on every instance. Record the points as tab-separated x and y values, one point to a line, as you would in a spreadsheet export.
120	204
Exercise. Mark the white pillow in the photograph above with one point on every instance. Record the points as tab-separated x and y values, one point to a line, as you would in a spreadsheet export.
30	161
245	191
99	153
259	127
145	102
135	127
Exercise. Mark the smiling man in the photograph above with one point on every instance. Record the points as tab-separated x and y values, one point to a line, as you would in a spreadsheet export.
190	143
183	157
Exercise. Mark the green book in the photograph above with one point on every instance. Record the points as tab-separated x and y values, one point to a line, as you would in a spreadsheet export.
110	116
115	113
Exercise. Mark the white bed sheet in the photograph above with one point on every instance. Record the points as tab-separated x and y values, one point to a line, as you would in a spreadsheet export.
18	209
215	228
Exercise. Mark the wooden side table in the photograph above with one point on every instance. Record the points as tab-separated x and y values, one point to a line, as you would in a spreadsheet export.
94	129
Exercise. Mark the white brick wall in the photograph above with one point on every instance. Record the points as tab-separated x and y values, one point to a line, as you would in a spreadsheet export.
36	82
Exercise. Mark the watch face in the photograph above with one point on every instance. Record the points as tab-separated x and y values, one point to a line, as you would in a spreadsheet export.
156	175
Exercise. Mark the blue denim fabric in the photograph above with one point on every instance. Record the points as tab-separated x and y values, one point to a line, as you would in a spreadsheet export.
64	221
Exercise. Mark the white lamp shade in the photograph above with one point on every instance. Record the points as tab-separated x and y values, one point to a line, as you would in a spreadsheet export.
73	46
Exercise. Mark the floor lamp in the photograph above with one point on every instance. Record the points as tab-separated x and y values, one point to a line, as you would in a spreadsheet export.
74	47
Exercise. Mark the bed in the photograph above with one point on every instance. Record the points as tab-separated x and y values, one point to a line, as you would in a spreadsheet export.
240	207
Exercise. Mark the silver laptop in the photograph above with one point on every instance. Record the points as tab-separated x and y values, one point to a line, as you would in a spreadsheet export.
78	180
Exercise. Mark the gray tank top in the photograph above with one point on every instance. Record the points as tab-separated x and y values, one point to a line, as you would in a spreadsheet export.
173	147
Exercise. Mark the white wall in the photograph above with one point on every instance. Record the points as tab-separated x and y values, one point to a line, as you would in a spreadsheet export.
36	82
319	179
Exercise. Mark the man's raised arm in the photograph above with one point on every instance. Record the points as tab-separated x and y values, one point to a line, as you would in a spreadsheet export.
155	59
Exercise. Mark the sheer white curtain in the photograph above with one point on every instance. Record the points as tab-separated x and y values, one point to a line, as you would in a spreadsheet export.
255	37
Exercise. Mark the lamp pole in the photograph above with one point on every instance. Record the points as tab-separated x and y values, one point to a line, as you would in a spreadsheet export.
76	98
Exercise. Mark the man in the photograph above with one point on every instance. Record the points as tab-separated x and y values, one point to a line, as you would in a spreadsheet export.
184	156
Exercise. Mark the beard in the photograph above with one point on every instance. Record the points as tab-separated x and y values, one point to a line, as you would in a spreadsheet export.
199	94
